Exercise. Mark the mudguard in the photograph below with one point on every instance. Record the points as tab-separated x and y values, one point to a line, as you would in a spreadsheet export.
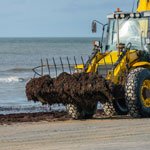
141	64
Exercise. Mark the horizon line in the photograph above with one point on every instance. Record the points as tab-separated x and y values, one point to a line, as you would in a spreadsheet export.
50	37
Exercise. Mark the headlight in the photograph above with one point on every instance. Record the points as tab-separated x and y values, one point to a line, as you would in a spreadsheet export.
122	16
132	15
96	43
137	15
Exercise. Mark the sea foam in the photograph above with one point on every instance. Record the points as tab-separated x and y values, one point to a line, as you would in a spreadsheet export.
11	79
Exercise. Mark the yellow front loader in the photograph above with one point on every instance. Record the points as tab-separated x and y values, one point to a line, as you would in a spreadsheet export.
123	58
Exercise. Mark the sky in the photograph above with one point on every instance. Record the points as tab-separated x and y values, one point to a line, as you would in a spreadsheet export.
55	18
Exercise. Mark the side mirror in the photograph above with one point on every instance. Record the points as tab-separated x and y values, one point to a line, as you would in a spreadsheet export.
94	27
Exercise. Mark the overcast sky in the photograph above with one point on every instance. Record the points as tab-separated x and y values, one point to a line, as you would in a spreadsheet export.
55	18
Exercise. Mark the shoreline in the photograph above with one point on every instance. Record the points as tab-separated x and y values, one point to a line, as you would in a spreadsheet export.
33	117
52	116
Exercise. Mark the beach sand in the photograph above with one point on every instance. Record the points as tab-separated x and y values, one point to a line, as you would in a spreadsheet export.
94	134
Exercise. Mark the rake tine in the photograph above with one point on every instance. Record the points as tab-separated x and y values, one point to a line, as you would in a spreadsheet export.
48	67
90	62
35	73
69	64
82	61
55	66
41	67
75	62
62	64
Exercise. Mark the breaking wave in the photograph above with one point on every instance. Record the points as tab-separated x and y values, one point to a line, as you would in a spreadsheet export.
11	79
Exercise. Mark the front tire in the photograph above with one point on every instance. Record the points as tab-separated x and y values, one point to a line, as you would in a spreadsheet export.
109	109
120	107
137	91
76	112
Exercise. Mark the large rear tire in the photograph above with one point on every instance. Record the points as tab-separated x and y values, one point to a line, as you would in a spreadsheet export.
137	91
76	112
115	108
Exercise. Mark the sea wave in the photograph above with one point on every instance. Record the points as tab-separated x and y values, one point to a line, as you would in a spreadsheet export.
19	70
31	109
11	79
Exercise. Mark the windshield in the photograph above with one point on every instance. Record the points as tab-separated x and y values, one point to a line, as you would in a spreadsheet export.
131	30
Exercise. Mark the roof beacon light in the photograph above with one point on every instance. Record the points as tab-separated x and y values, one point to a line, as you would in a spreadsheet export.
118	10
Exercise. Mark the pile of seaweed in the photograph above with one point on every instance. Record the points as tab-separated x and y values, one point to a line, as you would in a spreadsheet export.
34	117
79	88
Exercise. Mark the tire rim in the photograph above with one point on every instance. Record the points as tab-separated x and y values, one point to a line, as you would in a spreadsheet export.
145	93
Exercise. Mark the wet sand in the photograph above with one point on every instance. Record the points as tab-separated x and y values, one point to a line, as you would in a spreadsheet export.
95	134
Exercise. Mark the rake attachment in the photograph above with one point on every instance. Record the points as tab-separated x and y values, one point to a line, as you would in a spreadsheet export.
77	81
53	67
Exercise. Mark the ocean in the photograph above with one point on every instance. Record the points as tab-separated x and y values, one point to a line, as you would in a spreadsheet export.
17	58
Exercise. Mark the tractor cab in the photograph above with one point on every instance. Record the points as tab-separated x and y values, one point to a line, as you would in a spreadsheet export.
133	28
123	31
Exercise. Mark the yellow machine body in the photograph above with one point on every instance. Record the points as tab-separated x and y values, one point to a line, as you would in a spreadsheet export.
124	60
144	5
117	74
130	61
